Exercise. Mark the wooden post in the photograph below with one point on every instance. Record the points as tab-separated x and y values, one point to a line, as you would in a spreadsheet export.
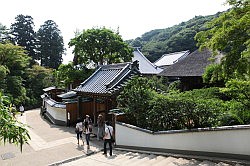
78	106
94	109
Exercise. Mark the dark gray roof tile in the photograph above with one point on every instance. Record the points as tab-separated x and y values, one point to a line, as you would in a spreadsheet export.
107	78
193	65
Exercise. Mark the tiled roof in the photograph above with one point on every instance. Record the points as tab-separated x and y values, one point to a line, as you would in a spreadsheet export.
193	65
108	78
145	66
67	95
52	88
49	88
169	59
55	104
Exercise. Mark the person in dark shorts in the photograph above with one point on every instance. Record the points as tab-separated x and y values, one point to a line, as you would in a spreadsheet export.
87	132
79	129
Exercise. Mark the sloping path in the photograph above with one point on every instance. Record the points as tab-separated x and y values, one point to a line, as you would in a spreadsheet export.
49	143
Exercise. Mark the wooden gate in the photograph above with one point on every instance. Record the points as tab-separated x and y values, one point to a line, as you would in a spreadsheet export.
71	114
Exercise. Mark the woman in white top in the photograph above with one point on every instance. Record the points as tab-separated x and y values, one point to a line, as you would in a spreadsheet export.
107	138
79	129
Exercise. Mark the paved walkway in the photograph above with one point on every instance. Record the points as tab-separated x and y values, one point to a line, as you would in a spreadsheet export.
49	144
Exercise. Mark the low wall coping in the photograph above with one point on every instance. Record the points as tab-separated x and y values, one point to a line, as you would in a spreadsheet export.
207	129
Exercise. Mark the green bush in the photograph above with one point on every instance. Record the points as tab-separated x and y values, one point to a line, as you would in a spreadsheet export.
174	110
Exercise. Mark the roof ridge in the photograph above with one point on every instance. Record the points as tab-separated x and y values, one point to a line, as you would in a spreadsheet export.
84	82
147	59
187	51
117	75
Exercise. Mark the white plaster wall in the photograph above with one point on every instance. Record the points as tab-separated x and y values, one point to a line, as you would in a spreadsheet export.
57	113
222	141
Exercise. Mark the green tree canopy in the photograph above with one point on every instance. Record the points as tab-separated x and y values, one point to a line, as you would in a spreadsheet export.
13	63
36	79
100	45
69	74
50	45
230	34
24	34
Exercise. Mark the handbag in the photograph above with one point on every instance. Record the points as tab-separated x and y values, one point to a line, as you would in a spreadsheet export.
111	138
76	130
90	128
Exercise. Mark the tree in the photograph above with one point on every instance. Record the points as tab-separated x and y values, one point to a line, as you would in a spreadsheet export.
135	98
24	34
68	74
100	45
230	34
50	45
37	78
238	90
11	130
13	63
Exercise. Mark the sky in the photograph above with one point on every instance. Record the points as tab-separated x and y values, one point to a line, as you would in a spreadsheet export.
132	17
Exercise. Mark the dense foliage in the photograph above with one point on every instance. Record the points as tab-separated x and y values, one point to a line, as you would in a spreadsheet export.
22	83
36	79
69	74
13	62
177	38
11	130
50	45
230	34
173	110
100	46
21	77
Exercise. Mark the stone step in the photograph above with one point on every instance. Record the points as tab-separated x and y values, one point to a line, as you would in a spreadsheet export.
182	161
131	158
144	161
222	164
193	162
120	158
165	161
207	163
155	160
123	157
136	159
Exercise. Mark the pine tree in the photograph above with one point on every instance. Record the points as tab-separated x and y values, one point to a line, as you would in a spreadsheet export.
23	34
50	45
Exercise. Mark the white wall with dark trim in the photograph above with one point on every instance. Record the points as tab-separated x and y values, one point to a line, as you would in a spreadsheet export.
57	113
230	140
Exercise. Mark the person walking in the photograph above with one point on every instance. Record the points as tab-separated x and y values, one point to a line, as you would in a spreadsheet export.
21	109
100	127
107	138
89	121
87	132
79	130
